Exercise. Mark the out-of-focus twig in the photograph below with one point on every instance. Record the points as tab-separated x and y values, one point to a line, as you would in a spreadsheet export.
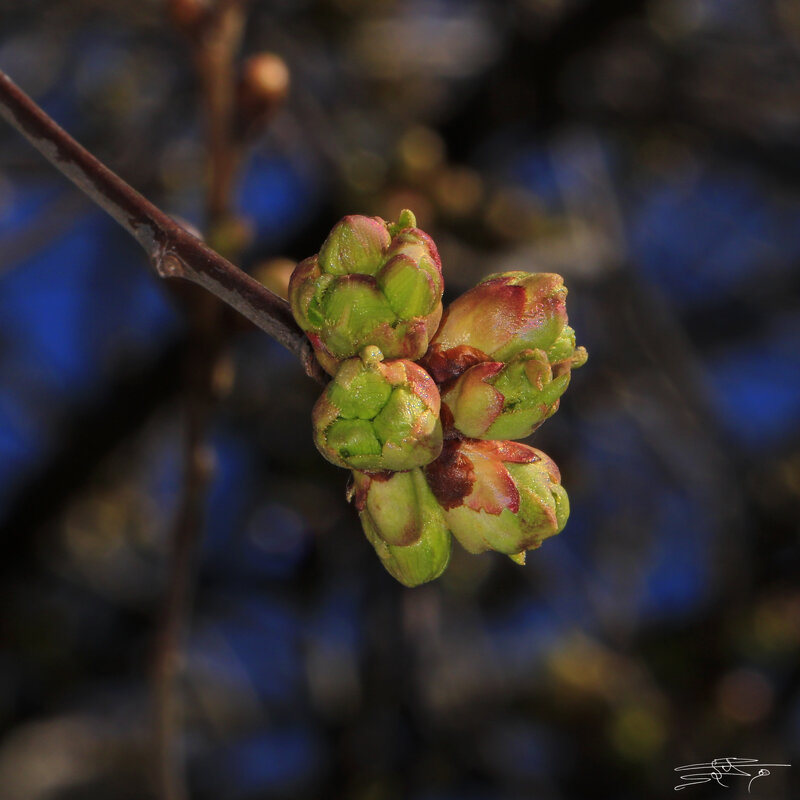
215	38
214	53
172	250
205	350
185	537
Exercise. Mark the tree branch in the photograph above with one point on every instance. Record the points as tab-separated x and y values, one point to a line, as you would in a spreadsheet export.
173	251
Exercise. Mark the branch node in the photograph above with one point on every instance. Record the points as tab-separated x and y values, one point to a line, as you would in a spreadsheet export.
169	266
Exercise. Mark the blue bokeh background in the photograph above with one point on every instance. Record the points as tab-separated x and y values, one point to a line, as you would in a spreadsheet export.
649	154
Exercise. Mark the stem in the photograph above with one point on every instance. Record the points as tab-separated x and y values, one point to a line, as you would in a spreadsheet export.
205	347
173	251
214	54
214	59
185	535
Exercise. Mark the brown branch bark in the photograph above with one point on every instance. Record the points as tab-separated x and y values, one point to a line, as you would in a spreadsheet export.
173	251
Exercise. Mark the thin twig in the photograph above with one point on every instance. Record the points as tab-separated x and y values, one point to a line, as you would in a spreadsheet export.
173	251
199	403
214	55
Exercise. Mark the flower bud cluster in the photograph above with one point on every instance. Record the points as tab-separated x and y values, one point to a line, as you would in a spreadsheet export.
424	407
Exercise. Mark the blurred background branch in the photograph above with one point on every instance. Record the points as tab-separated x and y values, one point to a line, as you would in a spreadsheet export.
648	151
214	34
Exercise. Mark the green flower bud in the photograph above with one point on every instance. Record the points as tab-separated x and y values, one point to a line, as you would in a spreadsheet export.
404	523
502	496
355	246
371	284
378	415
499	318
493	400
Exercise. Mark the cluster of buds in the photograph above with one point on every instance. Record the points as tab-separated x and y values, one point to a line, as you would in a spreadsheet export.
424	407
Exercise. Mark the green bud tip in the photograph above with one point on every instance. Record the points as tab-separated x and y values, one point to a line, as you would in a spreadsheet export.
405	220
371	356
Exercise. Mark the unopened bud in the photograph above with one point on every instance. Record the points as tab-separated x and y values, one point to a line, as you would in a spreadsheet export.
493	400
371	284
500	317
263	86
378	415
404	523
275	273
501	496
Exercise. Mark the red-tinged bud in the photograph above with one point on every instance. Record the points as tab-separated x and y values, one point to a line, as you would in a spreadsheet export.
404	523
501	496
446	364
493	400
372	283
503	315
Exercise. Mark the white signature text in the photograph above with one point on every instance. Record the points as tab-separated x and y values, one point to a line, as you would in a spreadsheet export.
722	769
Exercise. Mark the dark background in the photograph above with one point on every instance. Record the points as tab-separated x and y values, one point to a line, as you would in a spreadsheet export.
649	152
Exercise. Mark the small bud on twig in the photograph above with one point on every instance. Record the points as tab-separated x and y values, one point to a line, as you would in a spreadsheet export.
263	86
274	273
188	15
